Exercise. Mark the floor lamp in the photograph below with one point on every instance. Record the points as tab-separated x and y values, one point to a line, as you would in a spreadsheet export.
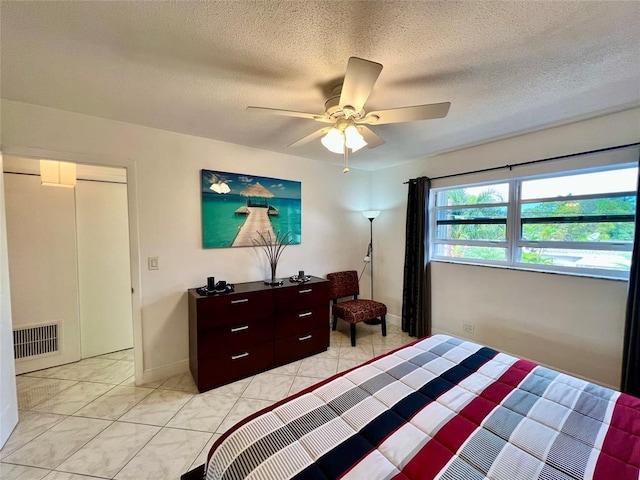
371	214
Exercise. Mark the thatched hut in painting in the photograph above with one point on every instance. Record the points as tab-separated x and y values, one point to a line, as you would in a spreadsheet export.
257	196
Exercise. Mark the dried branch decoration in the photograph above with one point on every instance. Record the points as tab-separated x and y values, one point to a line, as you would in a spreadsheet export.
273	248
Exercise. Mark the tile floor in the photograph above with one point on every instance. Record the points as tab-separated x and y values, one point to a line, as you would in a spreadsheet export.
88	420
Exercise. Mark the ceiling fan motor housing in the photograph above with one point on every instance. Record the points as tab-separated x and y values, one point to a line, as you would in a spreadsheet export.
332	106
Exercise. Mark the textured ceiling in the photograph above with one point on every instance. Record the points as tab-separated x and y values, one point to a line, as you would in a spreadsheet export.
193	67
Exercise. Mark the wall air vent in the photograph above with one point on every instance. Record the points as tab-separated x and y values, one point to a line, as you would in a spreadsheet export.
34	341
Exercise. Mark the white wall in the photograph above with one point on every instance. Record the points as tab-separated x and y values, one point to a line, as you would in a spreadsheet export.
8	397
570	323
164	194
41	235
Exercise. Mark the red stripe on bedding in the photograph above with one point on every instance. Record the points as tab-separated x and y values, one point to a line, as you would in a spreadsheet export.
427	462
626	415
508	381
455	433
620	457
437	453
478	410
517	372
609	468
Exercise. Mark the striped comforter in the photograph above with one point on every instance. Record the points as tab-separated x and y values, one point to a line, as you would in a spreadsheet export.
441	408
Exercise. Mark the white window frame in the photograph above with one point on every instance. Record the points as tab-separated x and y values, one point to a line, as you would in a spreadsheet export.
512	242
475	243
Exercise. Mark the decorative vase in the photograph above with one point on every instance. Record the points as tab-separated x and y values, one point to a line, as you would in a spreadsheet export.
274	282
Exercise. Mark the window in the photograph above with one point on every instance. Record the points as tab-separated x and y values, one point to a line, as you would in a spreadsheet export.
580	223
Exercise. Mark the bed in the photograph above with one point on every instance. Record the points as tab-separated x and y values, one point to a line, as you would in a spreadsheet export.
439	408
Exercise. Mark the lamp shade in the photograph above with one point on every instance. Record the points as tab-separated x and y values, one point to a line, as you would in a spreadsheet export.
333	141
370	214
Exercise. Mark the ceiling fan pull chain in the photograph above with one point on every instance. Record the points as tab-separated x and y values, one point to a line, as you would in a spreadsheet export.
346	159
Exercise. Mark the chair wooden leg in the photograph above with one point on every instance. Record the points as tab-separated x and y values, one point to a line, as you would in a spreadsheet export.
353	334
335	322
384	325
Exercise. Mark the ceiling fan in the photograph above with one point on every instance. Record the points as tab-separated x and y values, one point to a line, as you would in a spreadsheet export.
344	111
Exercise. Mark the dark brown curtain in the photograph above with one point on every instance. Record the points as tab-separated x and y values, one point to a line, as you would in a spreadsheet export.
416	293
631	352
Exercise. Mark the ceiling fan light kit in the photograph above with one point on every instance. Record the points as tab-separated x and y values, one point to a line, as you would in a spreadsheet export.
340	137
345	111
333	141
353	138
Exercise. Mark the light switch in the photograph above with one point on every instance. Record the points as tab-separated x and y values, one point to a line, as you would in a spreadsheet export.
153	263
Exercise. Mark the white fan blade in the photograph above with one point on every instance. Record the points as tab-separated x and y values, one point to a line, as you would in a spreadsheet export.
370	137
311	137
407	114
358	82
291	113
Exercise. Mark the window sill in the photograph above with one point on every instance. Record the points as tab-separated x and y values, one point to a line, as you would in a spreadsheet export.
531	270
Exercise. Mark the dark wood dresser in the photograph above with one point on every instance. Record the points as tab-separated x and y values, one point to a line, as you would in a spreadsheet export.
255	328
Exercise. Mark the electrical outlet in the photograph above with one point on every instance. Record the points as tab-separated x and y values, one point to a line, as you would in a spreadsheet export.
468	327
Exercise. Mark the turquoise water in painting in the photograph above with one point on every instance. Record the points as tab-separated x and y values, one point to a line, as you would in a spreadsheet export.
220	224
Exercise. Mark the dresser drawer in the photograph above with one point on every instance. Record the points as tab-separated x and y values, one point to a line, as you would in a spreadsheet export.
301	345
216	371
230	338
302	321
303	296
234	308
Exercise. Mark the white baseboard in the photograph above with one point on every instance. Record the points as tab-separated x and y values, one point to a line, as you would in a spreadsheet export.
40	362
391	318
436	331
162	373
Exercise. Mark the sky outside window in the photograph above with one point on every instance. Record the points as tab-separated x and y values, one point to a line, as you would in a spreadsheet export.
612	181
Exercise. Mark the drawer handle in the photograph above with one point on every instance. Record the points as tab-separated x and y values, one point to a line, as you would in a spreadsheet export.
242	355
308	290
239	329
305	337
306	314
242	300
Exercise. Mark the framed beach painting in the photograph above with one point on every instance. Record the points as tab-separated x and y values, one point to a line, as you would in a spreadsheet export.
235	207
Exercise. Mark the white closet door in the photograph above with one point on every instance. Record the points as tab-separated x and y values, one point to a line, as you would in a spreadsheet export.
8	397
104	275
41	236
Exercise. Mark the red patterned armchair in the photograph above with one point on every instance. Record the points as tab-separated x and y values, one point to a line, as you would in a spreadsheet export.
345	284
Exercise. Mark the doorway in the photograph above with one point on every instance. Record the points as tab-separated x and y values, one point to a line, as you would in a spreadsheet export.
70	247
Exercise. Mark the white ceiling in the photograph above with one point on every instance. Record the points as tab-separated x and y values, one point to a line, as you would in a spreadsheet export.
193	67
